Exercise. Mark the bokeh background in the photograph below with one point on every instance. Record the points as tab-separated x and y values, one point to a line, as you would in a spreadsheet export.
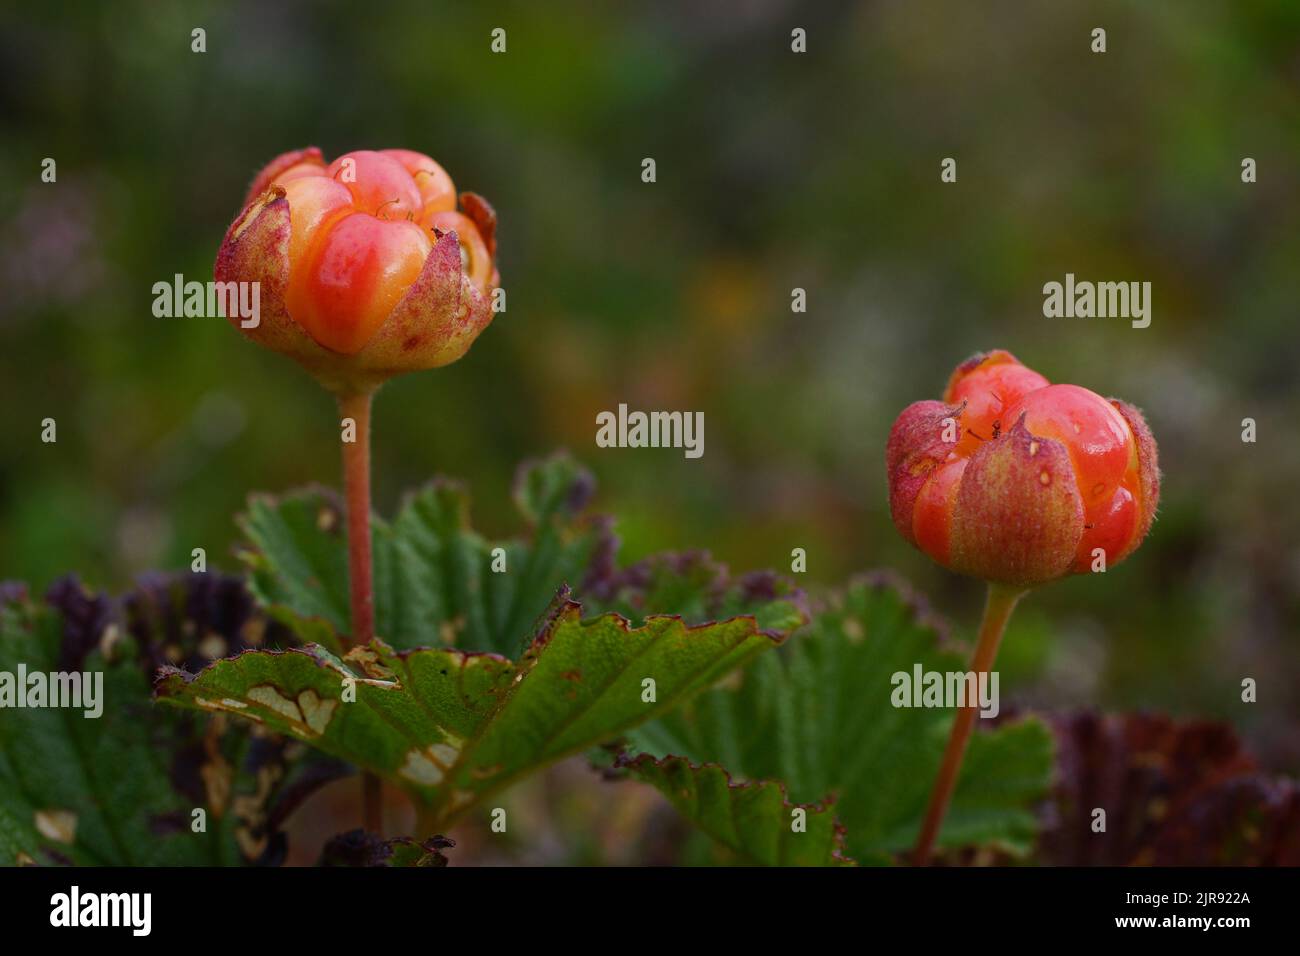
775	170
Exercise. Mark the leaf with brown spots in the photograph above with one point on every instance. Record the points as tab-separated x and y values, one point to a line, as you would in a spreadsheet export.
452	727
120	789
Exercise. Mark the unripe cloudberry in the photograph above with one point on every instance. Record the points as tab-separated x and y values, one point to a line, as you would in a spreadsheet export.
1017	481
366	267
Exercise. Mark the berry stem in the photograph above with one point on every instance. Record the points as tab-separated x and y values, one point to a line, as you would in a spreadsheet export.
997	611
356	487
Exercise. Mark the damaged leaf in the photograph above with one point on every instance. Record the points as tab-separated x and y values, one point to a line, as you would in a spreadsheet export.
122	788
453	727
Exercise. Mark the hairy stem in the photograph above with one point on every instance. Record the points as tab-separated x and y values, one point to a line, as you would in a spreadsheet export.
356	486
997	611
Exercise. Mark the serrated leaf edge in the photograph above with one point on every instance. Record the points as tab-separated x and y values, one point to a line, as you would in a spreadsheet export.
633	763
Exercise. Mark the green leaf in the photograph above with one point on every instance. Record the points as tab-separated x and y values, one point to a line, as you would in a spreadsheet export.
436	580
756	820
299	571
121	788
453	727
818	718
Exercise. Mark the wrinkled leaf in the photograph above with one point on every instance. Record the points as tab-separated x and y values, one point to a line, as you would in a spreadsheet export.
453	727
434	577
818	718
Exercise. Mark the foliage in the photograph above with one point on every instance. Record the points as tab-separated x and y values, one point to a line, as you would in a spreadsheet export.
764	717
122	788
816	724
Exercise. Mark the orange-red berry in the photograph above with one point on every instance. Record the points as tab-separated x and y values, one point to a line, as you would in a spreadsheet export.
366	268
1018	481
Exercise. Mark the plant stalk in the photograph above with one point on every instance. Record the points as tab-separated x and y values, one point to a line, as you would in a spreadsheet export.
997	611
356	487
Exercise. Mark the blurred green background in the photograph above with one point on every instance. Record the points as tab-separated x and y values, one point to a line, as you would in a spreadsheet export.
775	170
